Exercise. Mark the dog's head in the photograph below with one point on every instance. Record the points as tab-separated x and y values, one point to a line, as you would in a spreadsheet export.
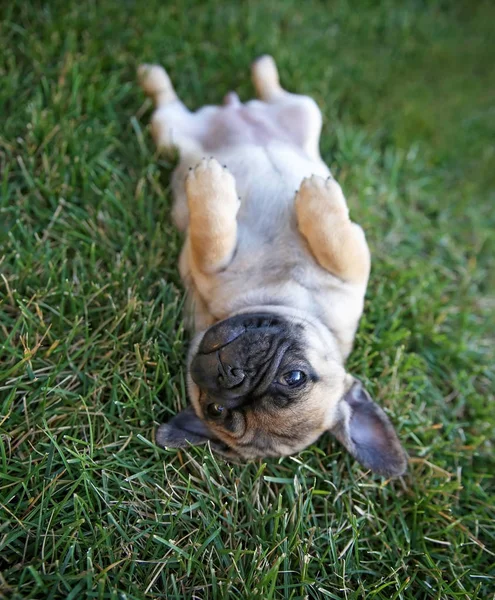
269	384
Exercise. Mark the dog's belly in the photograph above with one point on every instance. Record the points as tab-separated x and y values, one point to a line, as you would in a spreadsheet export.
235	124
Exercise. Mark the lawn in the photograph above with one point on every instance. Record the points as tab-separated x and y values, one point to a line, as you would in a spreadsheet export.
92	342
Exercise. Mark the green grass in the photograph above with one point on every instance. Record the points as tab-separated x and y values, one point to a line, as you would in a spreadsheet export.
92	342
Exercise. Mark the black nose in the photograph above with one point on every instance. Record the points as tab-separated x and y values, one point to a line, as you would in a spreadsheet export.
224	359
214	373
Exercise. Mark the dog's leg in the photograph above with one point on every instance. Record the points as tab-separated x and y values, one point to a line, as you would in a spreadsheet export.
323	218
299	115
266	80
172	124
213	205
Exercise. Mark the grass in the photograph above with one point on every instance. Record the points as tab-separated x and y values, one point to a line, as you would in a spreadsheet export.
92	339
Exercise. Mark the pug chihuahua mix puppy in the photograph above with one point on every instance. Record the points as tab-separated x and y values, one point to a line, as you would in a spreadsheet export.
276	279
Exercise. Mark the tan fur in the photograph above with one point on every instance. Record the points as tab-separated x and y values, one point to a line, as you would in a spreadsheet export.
294	254
261	273
213	205
323	218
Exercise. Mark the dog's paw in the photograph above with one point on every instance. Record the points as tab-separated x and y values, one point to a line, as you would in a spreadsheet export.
265	68
156	83
321	196
265	77
209	182
213	205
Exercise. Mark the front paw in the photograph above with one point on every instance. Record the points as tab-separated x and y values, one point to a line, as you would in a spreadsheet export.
213	205
321	196
210	182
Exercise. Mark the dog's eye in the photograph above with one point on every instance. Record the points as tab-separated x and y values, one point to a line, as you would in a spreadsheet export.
215	410
293	378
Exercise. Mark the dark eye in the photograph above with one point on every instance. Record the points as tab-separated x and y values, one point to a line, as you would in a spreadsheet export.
215	410
293	378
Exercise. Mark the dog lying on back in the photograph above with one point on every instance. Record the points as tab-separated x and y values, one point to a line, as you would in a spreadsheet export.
275	277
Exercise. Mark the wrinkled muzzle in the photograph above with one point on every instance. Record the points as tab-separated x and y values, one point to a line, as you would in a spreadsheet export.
239	355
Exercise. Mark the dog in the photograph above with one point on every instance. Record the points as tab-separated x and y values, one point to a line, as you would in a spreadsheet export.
275	273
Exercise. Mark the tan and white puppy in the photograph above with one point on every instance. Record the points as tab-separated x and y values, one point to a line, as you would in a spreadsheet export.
276	274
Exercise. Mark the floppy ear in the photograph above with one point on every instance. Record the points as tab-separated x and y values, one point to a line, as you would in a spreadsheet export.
182	430
365	430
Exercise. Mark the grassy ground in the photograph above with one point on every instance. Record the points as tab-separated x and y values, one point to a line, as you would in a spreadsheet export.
92	342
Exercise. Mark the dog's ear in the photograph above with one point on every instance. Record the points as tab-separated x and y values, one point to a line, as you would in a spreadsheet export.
182	430
365	430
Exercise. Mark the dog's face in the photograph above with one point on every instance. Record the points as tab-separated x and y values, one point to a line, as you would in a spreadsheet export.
269	384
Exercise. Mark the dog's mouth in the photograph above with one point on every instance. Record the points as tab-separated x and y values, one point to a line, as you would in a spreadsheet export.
240	356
